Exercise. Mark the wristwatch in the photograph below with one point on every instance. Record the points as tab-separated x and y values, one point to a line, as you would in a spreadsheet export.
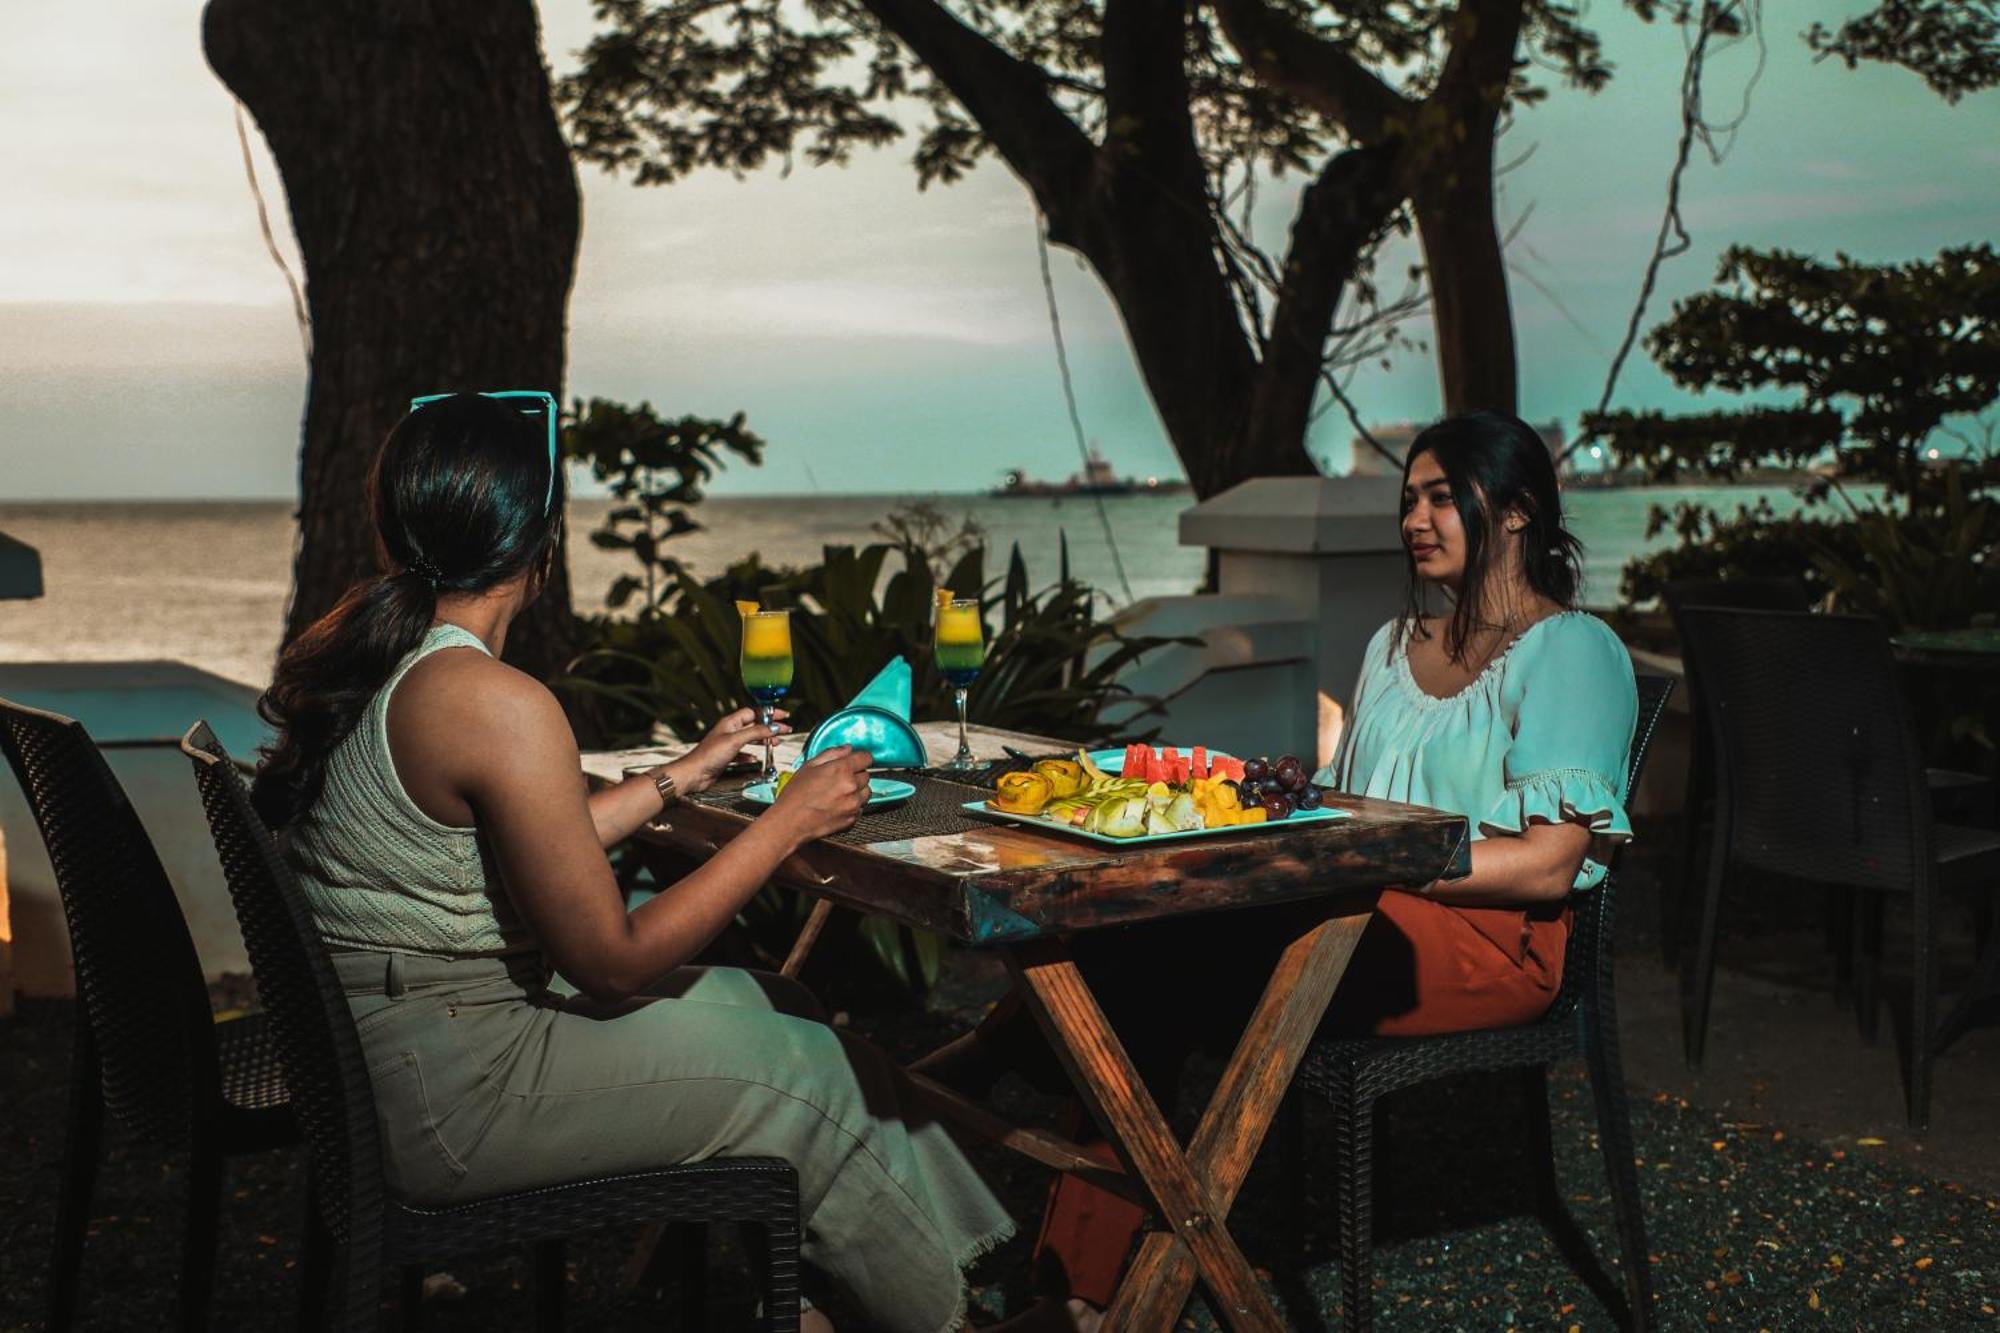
669	790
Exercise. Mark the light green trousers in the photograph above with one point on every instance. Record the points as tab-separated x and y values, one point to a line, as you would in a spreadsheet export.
487	1082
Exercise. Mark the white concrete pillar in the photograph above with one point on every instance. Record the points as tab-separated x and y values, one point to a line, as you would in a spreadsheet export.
1328	549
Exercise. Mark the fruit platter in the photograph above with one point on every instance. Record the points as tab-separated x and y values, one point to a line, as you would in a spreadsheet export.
1145	793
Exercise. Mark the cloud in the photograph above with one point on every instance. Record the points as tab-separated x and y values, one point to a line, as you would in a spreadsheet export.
43	338
1765	207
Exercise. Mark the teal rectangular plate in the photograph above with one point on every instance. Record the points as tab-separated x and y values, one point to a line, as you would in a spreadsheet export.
1325	814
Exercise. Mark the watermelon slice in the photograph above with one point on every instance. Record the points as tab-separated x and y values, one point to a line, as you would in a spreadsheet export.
1199	763
1224	767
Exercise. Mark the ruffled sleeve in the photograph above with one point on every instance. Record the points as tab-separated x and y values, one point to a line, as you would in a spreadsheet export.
1577	707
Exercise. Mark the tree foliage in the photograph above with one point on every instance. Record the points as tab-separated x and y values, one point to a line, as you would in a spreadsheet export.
1879	359
656	471
1141	130
1051	664
1953	44
667	88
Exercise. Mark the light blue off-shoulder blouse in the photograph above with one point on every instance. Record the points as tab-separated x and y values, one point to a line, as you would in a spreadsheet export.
1539	737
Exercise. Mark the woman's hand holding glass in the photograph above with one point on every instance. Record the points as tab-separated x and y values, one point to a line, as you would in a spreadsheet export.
726	742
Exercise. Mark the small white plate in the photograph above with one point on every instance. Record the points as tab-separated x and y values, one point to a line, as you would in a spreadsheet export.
881	791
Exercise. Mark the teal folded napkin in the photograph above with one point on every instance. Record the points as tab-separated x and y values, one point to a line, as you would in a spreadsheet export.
889	691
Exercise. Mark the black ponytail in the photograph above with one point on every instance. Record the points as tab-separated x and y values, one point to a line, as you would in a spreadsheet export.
461	502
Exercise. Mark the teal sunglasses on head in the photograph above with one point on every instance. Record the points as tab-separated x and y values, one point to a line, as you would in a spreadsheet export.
529	402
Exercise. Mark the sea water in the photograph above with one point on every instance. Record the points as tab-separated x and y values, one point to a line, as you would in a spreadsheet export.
206	582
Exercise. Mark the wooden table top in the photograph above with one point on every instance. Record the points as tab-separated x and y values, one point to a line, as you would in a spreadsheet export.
1008	883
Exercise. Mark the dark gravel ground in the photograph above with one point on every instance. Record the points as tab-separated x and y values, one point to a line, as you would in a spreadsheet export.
1748	1228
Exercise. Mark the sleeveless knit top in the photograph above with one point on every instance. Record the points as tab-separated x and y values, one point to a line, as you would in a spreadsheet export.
379	873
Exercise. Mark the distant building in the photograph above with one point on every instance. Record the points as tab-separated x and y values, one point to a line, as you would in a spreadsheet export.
1367	461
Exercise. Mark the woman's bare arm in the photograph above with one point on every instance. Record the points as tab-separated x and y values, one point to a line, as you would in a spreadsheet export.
620	810
1518	869
495	743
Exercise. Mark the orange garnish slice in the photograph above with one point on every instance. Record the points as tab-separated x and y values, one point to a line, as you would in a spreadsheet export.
746	609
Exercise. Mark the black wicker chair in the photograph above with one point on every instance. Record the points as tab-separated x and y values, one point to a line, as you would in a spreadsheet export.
1954	794
356	1229
147	1046
1822	780
1351	1074
1750	594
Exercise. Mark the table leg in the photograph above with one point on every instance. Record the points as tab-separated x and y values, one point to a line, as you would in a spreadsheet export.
802	947
1245	1102
1104	1075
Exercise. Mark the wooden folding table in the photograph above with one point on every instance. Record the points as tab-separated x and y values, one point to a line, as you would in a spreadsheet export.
1023	892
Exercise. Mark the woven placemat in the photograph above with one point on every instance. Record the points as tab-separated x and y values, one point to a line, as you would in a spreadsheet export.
936	808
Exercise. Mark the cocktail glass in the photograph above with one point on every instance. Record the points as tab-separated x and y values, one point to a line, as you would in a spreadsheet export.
767	668
961	651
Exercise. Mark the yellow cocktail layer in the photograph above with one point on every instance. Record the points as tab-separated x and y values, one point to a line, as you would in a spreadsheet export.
959	625
768	636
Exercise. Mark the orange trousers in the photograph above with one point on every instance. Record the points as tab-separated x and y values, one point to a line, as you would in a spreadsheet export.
1420	968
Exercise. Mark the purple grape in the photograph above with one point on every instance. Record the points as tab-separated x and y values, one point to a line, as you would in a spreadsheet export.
1309	797
1277	807
1255	770
1289	771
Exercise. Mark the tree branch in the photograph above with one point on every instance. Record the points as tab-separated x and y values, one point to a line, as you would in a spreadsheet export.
1349	204
1008	98
1479	62
1313	70
1145	82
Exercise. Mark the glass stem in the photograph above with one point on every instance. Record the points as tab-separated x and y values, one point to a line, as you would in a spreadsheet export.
770	754
963	759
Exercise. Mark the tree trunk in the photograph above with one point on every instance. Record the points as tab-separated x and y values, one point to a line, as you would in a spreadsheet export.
436	209
1339	214
1470	312
1186	336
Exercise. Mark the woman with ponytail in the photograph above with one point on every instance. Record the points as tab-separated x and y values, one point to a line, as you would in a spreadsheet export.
432	801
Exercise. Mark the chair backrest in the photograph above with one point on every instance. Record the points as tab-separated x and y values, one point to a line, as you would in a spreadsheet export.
1594	915
1820	773
1774	593
318	1046
143	996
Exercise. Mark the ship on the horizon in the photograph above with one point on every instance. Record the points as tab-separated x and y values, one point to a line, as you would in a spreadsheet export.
1097	478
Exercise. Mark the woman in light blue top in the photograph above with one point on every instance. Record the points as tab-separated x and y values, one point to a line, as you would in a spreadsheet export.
1509	707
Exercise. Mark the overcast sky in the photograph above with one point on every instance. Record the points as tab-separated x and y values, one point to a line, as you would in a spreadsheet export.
878	338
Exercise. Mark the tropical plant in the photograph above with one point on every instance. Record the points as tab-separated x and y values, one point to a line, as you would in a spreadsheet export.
1934	569
656	470
1051	664
1895	372
672	664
